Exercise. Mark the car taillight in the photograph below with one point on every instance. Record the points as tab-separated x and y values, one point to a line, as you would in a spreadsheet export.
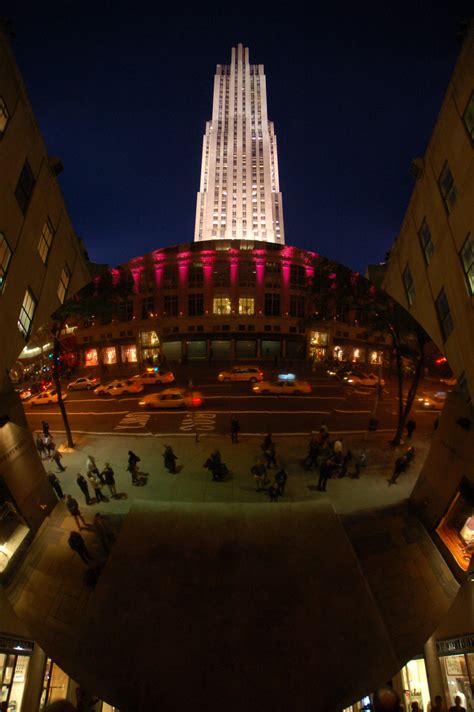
197	401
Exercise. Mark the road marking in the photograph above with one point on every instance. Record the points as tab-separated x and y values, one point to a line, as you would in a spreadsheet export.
351	411
74	412
278	395
199	422
133	420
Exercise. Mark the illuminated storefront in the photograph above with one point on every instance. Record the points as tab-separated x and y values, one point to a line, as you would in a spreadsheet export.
318	343
456	528
415	684
457	665
13	531
128	354
14	662
91	357
109	355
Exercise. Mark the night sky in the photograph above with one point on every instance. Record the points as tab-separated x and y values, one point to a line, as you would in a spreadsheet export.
122	94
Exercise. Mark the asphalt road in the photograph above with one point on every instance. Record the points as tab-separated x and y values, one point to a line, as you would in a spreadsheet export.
345	410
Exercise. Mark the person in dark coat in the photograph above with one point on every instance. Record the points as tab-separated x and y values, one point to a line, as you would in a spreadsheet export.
45	427
40	446
83	486
57	457
234	430
399	466
77	543
133	461
410	427
74	510
270	455
108	476
170	459
56	485
324	474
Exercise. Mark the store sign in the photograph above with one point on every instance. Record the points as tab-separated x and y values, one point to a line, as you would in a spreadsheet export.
453	646
16	646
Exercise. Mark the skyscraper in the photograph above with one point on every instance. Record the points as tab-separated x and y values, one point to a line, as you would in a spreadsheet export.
239	195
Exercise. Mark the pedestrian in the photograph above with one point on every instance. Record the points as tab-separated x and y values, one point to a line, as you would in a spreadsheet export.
83	486
280	481
313	452
266	441
57	457
77	544
45	427
102	528
415	707
399	467
96	485
259	472
133	461
74	510
92	467
48	444
108	475
270	455
457	707
386	700
437	705
345	463
234	430
170	459
56	485
410	428
337	446
324	474
40	446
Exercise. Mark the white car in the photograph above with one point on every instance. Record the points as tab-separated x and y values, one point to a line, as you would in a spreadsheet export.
357	378
119	388
433	401
46	397
282	387
152	377
83	384
172	398
241	373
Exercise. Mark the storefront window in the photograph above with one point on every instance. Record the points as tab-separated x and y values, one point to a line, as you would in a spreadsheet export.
415	684
109	355
456	528
376	357
338	353
247	306
221	305
319	338
358	355
458	679
128	354
13	670
55	683
13	531
149	338
92	358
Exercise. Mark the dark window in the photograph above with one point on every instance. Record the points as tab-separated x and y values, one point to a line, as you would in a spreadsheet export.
195	276
267	327
409	286
126	311
5	257
251	327
468	117
444	314
195	305
426	241
4	116
297	277
241	327
296	306
467	261
464	387
292	329
147	281
24	187
272	304
447	188
221	274
148	307
171	305
247	274
170	277
273	274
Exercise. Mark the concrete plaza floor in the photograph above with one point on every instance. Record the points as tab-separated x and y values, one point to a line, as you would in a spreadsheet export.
214	596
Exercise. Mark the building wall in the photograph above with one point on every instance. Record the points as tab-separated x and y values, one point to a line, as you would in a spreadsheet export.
450	225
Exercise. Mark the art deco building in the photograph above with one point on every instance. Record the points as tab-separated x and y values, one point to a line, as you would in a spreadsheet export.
239	195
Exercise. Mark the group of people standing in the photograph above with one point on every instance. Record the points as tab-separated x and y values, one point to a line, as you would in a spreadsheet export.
274	488
331	459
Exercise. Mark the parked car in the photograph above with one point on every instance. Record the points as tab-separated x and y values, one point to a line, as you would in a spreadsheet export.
83	384
152	377
433	401
357	378
46	397
172	398
119	388
282	387
241	373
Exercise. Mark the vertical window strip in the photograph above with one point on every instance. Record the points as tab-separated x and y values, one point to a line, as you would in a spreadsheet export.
5	257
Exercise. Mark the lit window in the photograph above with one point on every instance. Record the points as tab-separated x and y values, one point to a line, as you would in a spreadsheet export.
27	313
64	283
426	241
468	117
5	257
447	188
4	116
221	305
444	314
409	286
467	261
46	240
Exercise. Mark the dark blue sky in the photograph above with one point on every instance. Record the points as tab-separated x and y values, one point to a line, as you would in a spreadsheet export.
122	93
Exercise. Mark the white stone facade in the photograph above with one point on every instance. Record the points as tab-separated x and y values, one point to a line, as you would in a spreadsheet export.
239	195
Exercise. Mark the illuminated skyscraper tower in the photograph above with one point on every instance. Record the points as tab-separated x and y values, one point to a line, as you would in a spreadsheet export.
239	195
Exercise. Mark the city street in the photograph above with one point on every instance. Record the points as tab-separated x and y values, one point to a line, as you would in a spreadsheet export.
344	408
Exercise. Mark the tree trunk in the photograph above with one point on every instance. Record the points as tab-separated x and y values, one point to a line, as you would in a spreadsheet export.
398	359
414	384
57	383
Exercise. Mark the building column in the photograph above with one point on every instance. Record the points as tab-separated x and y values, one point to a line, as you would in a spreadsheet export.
434	672
183	267
285	288
234	284
207	272
34	680
260	286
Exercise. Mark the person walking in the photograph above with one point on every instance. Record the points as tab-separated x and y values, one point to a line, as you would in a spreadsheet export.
48	444
57	457
259	472
77	544
133	461
108	476
170	459
96	485
83	486
56	485
45	427
324	474
40	446
410	428
399	467
74	510
92	467
270	455
104	531
234	430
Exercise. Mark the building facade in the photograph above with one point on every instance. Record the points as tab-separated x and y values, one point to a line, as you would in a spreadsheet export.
239	195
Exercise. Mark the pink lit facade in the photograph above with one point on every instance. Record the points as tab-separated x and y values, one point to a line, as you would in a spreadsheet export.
239	195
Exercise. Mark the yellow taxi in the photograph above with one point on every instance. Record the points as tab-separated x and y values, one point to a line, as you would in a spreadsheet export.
46	397
285	384
119	388
172	398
